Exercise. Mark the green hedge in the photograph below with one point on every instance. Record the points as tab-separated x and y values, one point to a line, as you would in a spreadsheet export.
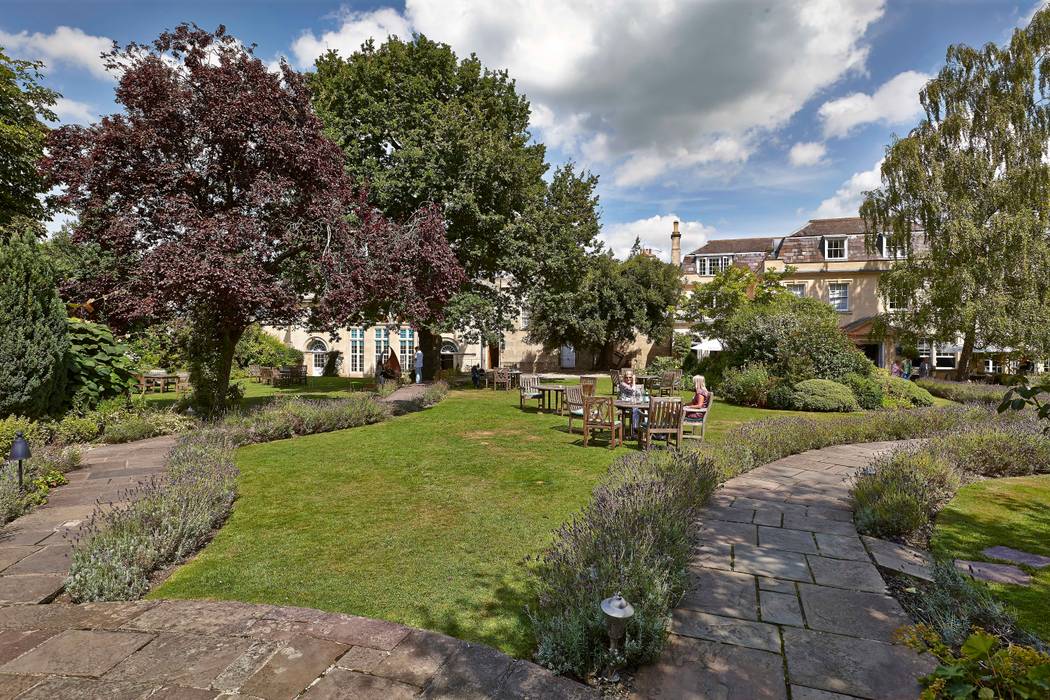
867	390
900	392
965	392
823	395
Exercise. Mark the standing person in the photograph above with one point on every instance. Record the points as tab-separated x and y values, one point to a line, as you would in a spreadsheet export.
906	369
475	376
896	370
924	368
419	366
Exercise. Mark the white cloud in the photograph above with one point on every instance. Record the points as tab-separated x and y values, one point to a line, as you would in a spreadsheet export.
847	199
68	46
655	233
74	112
807	153
895	102
651	87
356	28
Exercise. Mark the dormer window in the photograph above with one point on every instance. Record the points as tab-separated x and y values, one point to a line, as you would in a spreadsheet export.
834	248
712	265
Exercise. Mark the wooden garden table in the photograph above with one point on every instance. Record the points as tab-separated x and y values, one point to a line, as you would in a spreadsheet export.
626	409
552	395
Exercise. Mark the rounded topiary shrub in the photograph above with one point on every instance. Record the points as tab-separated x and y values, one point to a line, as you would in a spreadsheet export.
868	391
902	393
747	386
781	396
823	395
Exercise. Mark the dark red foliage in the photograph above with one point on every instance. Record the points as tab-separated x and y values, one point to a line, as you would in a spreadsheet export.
218	193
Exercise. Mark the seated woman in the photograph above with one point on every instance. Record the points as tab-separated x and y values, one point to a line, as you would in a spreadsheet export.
701	398
635	393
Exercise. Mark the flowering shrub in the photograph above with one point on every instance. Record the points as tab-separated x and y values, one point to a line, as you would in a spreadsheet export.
287	418
632	538
167	519
965	392
899	492
748	386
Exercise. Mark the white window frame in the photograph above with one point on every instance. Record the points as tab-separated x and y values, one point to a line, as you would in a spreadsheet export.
891	305
357	349
382	344
924	348
705	266
845	247
831	298
525	318
799	286
407	347
950	364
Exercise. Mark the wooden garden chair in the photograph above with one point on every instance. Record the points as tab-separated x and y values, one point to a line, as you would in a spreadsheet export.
501	375
574	396
599	414
693	417
614	375
182	383
591	382
527	390
255	372
664	421
668	385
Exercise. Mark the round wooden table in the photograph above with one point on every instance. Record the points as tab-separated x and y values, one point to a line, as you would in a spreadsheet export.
626	409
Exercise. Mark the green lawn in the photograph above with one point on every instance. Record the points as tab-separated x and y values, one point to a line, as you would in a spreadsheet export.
425	519
1010	512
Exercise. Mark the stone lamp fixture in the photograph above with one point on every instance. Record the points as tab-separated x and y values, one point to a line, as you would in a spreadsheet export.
617	612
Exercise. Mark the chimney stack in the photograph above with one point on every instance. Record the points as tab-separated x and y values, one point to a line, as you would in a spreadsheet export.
676	246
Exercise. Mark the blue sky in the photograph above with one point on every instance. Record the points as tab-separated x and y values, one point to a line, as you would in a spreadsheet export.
739	117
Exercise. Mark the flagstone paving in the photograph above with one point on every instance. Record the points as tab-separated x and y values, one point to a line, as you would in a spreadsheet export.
785	598
34	549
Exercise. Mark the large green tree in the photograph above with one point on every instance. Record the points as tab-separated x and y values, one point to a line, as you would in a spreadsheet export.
24	104
609	303
974	176
417	125
711	304
33	339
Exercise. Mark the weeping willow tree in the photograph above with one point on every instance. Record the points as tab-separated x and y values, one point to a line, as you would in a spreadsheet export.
974	176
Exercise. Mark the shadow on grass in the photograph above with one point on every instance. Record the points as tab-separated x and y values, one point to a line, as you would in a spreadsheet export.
505	610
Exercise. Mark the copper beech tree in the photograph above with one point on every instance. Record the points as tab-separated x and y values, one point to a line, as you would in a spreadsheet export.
221	201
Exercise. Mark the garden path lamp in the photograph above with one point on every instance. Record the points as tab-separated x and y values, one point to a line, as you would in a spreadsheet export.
19	453
617	612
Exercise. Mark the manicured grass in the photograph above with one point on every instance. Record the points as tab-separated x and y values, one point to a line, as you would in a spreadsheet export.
1010	512
425	519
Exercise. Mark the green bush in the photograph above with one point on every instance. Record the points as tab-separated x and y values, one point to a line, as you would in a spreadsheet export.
257	347
99	367
121	547
747	386
163	345
633	538
902	393
781	396
897	495
868	391
965	392
992	452
33	338
74	429
796	339
38	433
823	395
984	667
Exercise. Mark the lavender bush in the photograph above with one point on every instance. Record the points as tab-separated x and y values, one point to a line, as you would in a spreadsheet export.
900	493
632	538
965	392
287	418
167	519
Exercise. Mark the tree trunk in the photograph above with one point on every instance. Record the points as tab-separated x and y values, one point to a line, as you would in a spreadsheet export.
963	370
212	349
430	344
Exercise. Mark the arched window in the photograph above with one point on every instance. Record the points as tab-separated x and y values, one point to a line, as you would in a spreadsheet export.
448	347
316	345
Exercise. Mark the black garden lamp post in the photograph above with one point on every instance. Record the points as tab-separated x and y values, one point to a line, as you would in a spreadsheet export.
19	453
617	612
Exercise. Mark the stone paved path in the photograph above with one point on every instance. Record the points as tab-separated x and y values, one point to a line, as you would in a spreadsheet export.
202	650
34	549
785	597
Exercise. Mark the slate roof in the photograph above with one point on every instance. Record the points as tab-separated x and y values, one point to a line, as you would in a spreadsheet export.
850	225
727	246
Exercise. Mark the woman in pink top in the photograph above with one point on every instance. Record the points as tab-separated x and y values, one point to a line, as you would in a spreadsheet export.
701	397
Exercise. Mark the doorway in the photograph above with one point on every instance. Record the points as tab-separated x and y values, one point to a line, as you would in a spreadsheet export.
493	356
568	357
873	351
318	351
